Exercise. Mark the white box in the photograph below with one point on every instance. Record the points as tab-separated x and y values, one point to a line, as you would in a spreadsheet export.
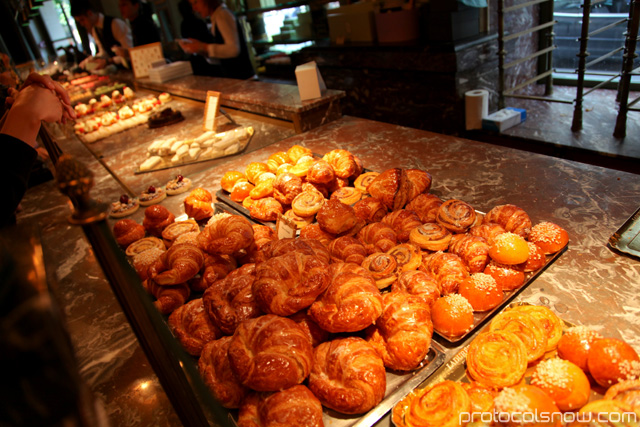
171	71
310	82
504	119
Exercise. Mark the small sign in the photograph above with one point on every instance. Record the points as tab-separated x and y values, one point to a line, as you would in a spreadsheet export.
310	82
211	110
143	58
285	227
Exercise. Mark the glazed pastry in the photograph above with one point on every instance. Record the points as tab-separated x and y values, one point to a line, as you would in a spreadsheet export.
229	301
382	267
247	202
168	297
359	168
351	303
197	205
420	182
488	230
286	187
473	250
431	237
426	206
266	209
496	359
509	249
192	327
143	260
457	216
152	196
310	186
315	332
370	210
607	412
303	245
241	190
284	168
335	217
144	244
230	178
295	406
299	221
527	328
217	375
347	195
289	283
298	151
514	402
508	277
270	353
363	181
418	283
254	170
511	217
277	159
172	231
348	375
337	184
575	343
550	237
448	269
265	177
343	163
347	249
377	237
215	267
127	231
402	334
313	231
263	189
482	292
439	405
627	391
307	203
403	222
452	315
178	264
178	185
262	235
226	236
551	323
536	259
392	187
302	166
564	382
124	207
408	256
156	219
481	399
611	360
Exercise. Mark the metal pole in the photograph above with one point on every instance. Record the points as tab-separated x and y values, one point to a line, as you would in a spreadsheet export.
501	55
628	57
582	60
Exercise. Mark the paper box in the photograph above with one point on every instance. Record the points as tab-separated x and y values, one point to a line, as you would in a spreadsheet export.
310	82
504	119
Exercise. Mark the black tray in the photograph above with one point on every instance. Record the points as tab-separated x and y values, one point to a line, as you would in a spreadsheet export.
627	238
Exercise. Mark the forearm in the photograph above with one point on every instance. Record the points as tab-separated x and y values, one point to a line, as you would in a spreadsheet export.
21	125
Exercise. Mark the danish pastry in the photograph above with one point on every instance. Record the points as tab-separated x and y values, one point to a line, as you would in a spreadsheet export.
335	217
473	250
527	328
431	236
457	216
286	187
439	405
488	230
408	256
370	210
313	231
347	195
303	245
382	267
627	391
178	264
448	269
550	322
497	359
307	203
215	267
342	161
363	180
320	172
172	231
299	221
420	182
266	209
143	260
144	244
403	222
392	187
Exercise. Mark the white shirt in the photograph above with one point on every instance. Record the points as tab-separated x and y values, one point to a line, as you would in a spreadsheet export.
121	32
224	21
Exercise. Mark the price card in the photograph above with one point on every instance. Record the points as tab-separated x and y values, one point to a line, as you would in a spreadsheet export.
285	227
211	110
143	57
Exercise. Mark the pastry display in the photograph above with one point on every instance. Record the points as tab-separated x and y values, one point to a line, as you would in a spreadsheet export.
124	207
165	117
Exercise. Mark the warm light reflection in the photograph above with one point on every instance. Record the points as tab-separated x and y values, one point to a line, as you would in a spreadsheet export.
144	385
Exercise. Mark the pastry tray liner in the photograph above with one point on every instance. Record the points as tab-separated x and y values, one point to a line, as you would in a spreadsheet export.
627	238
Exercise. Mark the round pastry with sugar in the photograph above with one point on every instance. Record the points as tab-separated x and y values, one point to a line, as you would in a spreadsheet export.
509	248
549	236
452	315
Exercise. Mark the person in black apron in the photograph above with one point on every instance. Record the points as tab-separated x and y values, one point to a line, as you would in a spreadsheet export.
139	14
229	47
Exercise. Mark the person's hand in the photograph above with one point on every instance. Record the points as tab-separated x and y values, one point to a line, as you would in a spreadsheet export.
99	63
46	82
39	103
192	46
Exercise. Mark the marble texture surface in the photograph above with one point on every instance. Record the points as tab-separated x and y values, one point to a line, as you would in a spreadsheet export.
589	284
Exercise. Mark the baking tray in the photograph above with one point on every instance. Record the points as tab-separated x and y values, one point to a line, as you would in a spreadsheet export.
627	238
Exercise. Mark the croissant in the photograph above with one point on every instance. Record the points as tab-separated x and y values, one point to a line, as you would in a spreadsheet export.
156	219
351	303
270	353
473	250
402	334
511	217
337	184
383	268
348	375
217	375
321	172
261	236
343	163
172	231
403	222
457	216
177	265
316	333
298	151
377	237
347	249
230	178
448	269
392	187
197	205
226	235
286	187
335	217
370	210
254	170
215	267
143	260
168	298
420	182
295	406
488	230
126	231
192	327
277	159
418	283
288	283
426	206
230	301
313	231
303	245
266	209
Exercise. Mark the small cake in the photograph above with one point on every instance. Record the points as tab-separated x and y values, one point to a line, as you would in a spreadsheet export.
124	207
152	196
117	97
81	109
564	382
128	93
166	117
164	97
178	185
452	315
611	360
125	112
575	343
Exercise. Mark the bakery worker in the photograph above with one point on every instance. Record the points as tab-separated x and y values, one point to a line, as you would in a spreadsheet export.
139	15
229	47
108	33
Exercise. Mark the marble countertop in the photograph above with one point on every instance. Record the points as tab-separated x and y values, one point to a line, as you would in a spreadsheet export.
589	284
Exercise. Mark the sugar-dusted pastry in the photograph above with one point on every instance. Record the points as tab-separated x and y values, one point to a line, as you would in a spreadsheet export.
127	231
408	256
125	112
320	172
456	215
550	237
266	209
307	203
217	375
473	250
551	323
440	405
403	222
336	217
286	187
347	249
192	327
230	178
431	236
377	237
363	180
151	196
447	268
611	360
527	328
143	260
514	402
156	219
536	259
348	375
482	292
198	204
172	231
452	315
370	210
575	344
144	244
508	277
418	283
513	218
563	381
392	187
124	207
347	195
164	97
382	267
178	185
226	236
294	406
497	359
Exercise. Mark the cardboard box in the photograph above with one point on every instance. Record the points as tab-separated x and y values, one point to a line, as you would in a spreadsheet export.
504	119
310	82
352	23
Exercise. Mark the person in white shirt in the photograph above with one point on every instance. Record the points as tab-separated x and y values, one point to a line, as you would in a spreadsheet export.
111	35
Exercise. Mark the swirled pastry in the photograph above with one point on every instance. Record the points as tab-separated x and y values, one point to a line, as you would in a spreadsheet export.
392	187
277	159
335	217
226	236
448	269
420	182
511	217
408	256
403	222
488	230
627	391
266	209
215	267
173	230
320	172
370	210
177	265
551	323
457	216
254	170
402	334
481	399
230	301
438	405
192	327
288	283
295	406
156	219
426	206
197	204
363	181
497	359
383	268
343	162
347	249
298	151
418	283
168	297
217	374
313	231
270	353
286	187
127	231
527	328
473	250
377	237
351	302
303	245
307	203
348	375
144	244
431	236
347	195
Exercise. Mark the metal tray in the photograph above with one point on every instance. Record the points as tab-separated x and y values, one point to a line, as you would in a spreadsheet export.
627	238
